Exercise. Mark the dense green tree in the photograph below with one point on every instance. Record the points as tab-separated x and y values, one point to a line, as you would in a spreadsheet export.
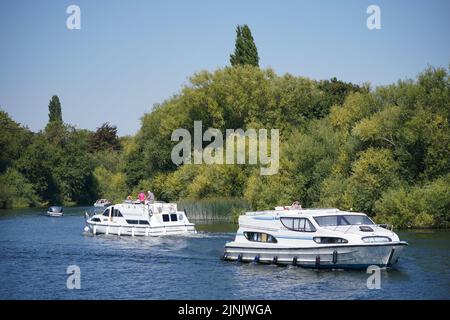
336	91
16	191
111	186
13	139
245	51
37	164
54	110
105	138
59	166
74	170
417	206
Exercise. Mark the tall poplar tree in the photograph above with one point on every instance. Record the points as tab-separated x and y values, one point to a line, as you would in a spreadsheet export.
54	110
245	51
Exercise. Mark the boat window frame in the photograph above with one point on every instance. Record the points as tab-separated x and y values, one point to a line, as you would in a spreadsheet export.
137	222
343	217
364	239
116	213
292	228
268	236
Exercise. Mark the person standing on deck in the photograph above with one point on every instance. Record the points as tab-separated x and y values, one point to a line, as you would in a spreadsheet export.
150	197
141	197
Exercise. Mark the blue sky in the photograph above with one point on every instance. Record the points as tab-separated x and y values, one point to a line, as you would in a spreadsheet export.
129	55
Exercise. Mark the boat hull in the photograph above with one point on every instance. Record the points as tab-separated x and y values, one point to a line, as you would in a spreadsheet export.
122	230
54	214
329	257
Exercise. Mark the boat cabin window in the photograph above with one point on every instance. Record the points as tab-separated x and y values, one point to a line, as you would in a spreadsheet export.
137	222
117	213
95	220
260	237
114	212
165	217
342	220
298	224
173	217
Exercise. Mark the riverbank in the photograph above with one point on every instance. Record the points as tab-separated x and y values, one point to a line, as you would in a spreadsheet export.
214	209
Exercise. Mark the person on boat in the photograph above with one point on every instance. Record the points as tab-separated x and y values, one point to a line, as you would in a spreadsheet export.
130	198
150	197
296	205
141	197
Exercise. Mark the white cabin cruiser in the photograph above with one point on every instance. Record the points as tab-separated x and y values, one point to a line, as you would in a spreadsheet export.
313	238
101	203
136	219
55	211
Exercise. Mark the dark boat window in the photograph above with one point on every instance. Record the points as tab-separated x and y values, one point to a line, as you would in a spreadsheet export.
106	213
327	240
165	217
173	217
117	213
259	237
95	219
298	224
145	222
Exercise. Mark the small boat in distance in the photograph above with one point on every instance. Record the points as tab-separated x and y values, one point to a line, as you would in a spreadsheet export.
313	238
55	211
134	218
102	203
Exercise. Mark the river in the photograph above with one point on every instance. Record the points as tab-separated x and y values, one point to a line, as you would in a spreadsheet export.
35	252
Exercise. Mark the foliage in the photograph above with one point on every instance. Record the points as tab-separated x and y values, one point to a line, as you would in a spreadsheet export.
385	151
16	191
54	110
13	138
105	138
245	51
111	185
417	206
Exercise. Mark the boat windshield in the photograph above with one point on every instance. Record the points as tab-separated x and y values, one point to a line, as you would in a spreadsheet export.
342	220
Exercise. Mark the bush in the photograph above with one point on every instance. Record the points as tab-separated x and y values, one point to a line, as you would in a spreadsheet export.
417	206
16	191
111	185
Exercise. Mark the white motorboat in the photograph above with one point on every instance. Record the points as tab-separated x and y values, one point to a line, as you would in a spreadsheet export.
101	203
55	211
138	219
313	238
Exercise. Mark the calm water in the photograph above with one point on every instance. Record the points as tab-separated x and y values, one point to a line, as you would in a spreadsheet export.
36	250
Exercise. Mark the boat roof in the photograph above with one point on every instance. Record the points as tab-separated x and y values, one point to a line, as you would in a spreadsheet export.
310	212
55	208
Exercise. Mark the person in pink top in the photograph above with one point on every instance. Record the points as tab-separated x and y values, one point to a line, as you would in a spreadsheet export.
142	196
